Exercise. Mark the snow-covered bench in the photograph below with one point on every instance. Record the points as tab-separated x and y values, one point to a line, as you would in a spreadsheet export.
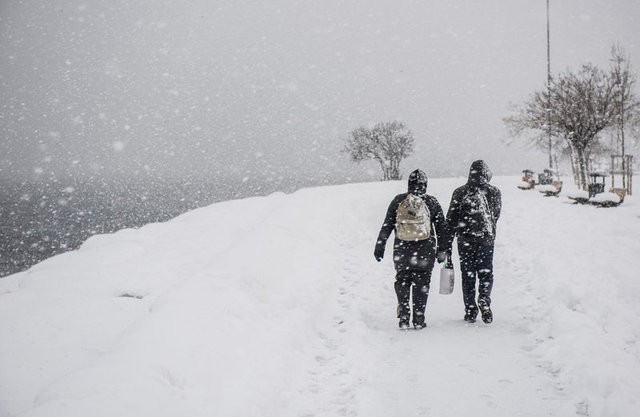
526	185
613	198
552	189
579	197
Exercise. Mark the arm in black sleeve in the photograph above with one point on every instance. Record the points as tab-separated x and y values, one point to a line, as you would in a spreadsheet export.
453	218
496	198
387	227
440	225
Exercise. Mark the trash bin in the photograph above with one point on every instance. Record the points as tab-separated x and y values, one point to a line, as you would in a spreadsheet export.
596	184
546	177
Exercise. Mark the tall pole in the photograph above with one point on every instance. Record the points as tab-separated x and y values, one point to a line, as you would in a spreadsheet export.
549	90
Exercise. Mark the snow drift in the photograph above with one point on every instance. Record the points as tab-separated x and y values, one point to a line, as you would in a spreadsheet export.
275	306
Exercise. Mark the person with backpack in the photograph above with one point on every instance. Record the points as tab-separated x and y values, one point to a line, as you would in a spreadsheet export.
472	218
420	235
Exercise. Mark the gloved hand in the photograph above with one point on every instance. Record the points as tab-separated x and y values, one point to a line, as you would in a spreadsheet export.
378	253
442	256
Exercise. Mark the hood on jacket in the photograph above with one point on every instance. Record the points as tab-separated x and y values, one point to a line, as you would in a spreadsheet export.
418	183
479	174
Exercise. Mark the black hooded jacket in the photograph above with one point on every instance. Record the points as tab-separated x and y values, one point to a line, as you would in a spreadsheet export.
414	255
464	210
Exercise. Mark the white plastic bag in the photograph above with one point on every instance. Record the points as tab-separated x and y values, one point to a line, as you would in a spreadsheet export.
446	277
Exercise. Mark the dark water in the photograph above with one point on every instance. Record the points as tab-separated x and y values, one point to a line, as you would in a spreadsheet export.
42	219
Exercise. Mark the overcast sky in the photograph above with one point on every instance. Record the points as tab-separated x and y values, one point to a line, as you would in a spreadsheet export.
248	89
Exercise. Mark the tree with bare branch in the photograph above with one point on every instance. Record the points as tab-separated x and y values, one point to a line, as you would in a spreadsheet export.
626	104
387	143
582	105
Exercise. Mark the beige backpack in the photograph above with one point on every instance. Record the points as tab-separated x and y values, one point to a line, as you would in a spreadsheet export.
413	220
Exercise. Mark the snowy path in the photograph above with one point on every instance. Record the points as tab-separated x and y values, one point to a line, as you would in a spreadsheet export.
369	368
275	307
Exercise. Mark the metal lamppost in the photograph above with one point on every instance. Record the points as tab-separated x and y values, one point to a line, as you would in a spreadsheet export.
549	90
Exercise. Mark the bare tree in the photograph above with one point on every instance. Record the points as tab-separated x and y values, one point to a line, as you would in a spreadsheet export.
387	143
581	107
626	105
634	127
525	117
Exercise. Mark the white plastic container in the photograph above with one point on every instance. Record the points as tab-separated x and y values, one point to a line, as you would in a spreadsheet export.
446	278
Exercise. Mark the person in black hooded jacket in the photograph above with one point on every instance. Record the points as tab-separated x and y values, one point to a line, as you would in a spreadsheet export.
414	260
472	218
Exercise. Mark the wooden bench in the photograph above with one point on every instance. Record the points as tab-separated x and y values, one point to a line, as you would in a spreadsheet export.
620	192
527	184
551	190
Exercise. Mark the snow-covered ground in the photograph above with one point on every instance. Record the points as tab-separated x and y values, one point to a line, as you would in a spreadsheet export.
274	306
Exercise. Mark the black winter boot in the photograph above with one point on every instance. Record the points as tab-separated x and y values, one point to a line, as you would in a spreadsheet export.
418	320
470	315
403	316
487	315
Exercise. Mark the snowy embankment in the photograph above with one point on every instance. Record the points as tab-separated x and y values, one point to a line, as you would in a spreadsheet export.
274	306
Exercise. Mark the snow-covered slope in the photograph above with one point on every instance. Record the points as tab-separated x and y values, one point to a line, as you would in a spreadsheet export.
275	306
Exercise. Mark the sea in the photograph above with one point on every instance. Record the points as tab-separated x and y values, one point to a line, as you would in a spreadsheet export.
40	219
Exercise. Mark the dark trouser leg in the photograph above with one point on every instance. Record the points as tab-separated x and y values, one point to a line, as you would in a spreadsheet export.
467	253
403	290
421	283
485	272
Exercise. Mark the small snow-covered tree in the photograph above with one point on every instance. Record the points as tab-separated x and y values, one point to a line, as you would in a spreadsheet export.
387	143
